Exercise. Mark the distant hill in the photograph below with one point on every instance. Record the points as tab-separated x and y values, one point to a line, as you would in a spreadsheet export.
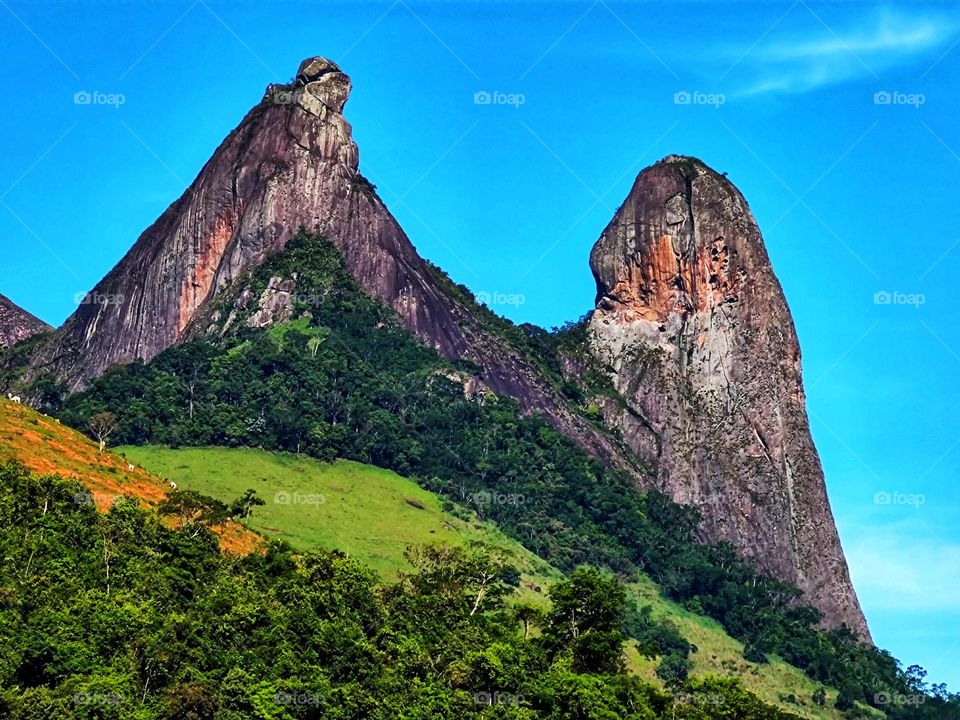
17	324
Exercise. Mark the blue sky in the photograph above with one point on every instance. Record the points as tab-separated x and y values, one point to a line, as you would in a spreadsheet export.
855	192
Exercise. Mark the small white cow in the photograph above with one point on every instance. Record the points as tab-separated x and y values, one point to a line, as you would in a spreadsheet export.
14	398
173	485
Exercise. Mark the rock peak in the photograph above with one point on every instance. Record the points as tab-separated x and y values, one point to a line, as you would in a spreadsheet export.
680	159
693	166
320	86
313	68
696	334
657	258
17	324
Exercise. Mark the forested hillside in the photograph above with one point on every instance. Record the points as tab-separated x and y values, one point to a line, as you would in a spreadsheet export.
116	615
333	375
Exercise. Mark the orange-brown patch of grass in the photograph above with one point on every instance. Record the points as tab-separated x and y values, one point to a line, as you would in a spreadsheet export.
44	446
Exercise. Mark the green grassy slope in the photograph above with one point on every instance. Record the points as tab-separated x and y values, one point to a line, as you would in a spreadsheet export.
374	514
367	512
720	655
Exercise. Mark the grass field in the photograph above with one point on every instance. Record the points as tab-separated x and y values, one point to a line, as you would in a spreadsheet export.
368	513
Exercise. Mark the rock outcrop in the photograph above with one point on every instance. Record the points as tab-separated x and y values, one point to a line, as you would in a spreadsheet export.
693	329
17	324
292	162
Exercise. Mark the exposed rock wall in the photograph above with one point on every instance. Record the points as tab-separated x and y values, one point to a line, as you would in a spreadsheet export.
693	328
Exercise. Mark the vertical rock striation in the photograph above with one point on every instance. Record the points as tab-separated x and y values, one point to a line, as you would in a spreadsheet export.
692	327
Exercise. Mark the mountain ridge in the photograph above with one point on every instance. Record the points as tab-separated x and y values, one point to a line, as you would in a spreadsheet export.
292	163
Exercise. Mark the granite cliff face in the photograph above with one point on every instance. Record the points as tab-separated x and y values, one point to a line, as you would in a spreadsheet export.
693	329
292	162
17	324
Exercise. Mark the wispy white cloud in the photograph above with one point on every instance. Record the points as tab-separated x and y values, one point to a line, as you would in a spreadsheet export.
904	568
825	54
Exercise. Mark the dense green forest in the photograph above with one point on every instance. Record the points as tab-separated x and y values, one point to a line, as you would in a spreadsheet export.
344	380
116	616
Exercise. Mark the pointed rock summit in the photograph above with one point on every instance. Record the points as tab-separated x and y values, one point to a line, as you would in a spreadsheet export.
291	162
693	328
17	324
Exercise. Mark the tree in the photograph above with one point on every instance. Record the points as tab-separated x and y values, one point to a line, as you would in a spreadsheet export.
193	510
243	505
314	343
674	669
654	638
848	696
586	620
468	578
102	426
527	614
